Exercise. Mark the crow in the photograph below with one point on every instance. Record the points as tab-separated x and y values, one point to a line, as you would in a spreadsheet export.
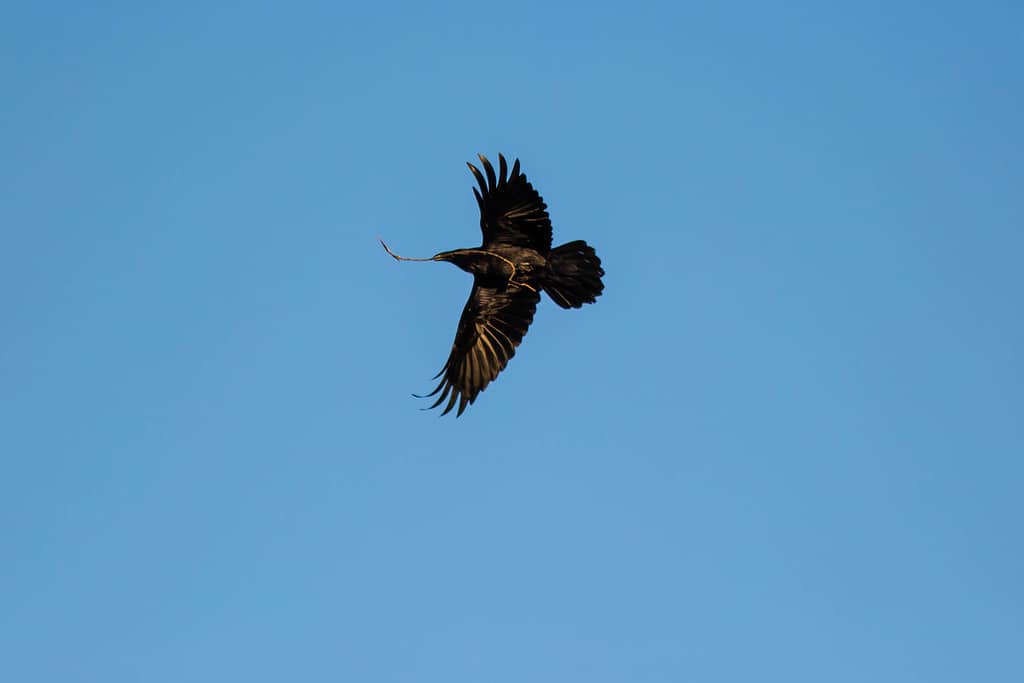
510	269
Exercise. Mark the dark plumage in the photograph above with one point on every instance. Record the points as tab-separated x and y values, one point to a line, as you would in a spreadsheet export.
510	269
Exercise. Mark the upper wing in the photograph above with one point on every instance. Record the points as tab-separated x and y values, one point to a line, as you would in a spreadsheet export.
492	325
511	211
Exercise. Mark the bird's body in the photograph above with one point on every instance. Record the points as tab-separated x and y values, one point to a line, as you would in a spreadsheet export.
510	268
500	264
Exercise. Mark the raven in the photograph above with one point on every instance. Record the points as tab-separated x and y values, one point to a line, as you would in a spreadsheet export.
511	267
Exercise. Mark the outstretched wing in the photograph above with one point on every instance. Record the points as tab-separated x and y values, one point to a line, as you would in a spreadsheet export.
511	211
492	325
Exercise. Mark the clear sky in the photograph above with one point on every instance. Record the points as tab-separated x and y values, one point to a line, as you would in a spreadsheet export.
785	445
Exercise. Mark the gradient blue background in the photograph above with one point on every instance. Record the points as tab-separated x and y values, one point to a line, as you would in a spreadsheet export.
785	445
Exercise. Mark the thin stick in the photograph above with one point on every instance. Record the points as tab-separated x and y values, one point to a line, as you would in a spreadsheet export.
400	258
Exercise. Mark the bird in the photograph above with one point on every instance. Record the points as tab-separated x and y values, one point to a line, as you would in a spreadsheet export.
512	266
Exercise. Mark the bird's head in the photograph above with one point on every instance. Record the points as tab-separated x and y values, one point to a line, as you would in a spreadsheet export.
463	258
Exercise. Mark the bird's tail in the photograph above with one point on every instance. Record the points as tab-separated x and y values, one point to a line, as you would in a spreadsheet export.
573	275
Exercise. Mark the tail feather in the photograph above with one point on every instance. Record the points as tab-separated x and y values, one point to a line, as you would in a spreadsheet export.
573	275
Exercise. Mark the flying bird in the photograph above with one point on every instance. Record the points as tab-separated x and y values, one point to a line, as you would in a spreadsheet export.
510	269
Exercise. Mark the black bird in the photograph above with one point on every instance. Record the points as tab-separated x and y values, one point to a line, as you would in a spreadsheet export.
511	267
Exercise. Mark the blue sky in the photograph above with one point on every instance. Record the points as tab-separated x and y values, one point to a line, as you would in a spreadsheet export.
784	445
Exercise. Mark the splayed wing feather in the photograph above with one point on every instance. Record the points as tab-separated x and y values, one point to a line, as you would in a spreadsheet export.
479	181
489	170
502	171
